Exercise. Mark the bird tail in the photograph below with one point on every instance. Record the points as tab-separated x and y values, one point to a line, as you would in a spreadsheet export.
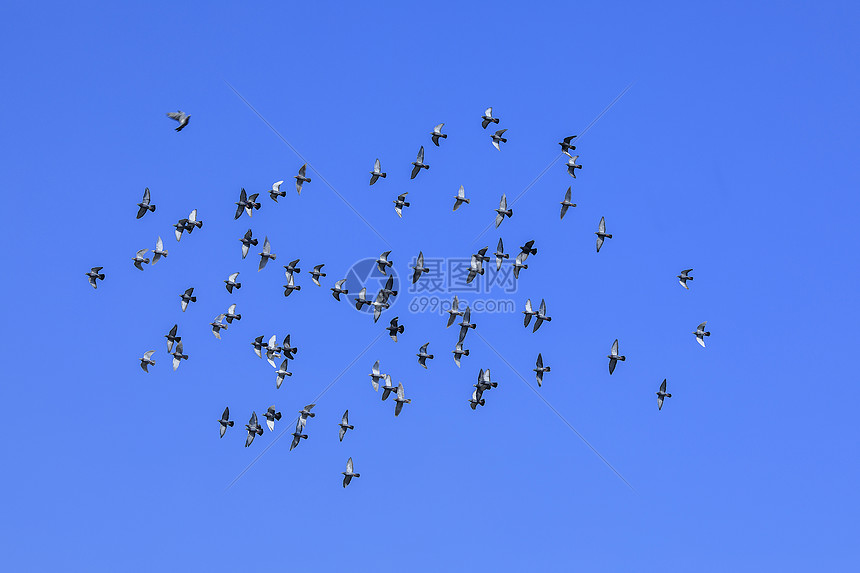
547	369
465	353
152	208
494	384
273	256
622	358
503	140
482	401
238	317
277	415
230	423
383	175
534	251
238	285
707	334
193	299
400	329
199	224
495	120
356	475
510	213
101	276
608	236
668	395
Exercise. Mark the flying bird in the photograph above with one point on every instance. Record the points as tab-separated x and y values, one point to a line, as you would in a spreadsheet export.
292	268
247	241
349	473
566	203
477	399
572	165
601	233
159	251
454	311
497	138
614	357
253	428
379	305
393	329
476	267
466	324
144	205
423	356
528	249
139	258
290	286
375	376
178	356
361	299
94	275
503	211
387	387
231	282
460	198
419	163
272	416
661	394
301	179
437	133
217	325
304	414
282	372
518	264
287	349
186	298
701	333
272	350
225	421
171	338
565	144
147	360
400	399
246	204
541	316
376	173
317	273
484	382
540	369
231	314
528	312
419	268
179	116
458	352
258	346
266	254
338	289
383	262
344	426
488	118
400	203
500	255
276	192
191	222
179	228
298	436
684	277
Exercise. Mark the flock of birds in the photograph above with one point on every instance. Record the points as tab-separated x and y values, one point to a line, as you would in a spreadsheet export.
285	351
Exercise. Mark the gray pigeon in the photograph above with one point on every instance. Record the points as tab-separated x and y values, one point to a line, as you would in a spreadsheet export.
400	399
375	376
500	255
181	117
419	163
147	360
178	356
661	395
477	399
566	203
281	373
684	277
497	138
518	264
144	205
349	473
614	357
338	289
231	314
540	369
139	258
266	254
387	387
379	305
458	352
488	118
601	233
382	262
541	316
159	251
419	268
287	349
400	203
253	428
191	222
476	267
422	355
503	211
298	436
94	275
179	228
171	338
231	282
292	268
376	173
460	198
484	382
528	312
271	417
393	329
466	324
225	421
387	289
301	179
528	249
437	133
572	165
701	333
276	192
258	346
272	350
304	414
246	204
247	241
361	299
565	144
344	426
186	298
454	311
317	273
217	325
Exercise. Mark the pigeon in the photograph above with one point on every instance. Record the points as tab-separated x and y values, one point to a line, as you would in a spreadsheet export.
572	166
566	203
290	286
246	204
565	144
253	204
376	173
541	316
159	251
502	211
178	355
682	278
614	357
258	346
437	133
231	282
94	275
292	268
454	311
460	198
253	428
601	233
186	298
179	227
458	352
231	314
375	376
387	290
139	258
272	350
419	163
282	372
488	118
476	267
422	355
400	399
192	222
348	474
317	273
540	369
301	179
247	241
304	414
379	305
662	394
484	383
383	262
344	426
276	192
144	205
361	299
288	350
271	417
171	338
477	399
338	289
518	264
528	249
400	203
497	138
500	255
217	326
181	117
387	388
482	255
147	360
528	312
266	254
465	324
701	334
225	421
393	329
298	436
419	268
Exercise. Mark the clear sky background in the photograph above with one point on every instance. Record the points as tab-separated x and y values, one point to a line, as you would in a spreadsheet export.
733	152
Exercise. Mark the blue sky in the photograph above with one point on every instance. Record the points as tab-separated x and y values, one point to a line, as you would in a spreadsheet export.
732	153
